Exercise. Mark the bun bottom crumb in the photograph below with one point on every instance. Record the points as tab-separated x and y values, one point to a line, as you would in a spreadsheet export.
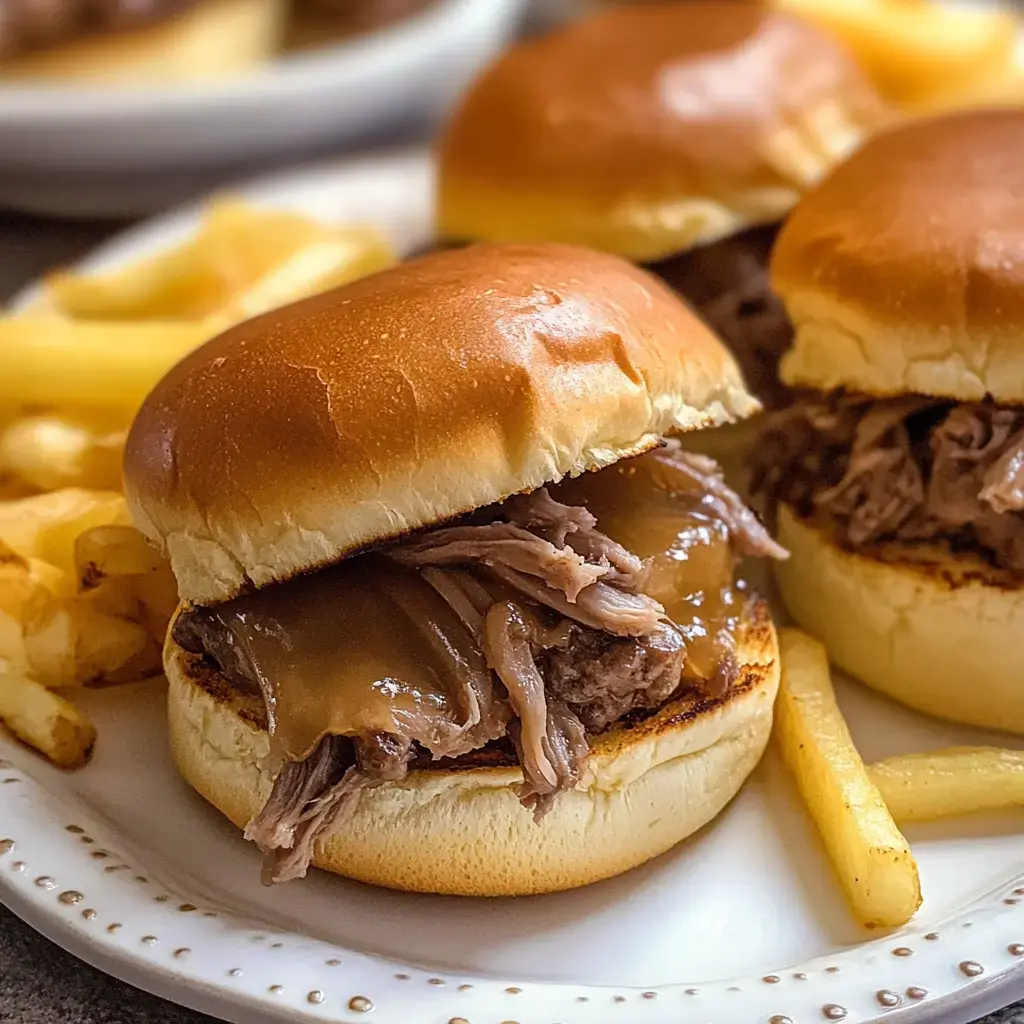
939	633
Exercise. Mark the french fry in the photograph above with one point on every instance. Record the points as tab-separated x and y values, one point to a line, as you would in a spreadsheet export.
21	593
870	856
51	362
75	642
46	721
114	550
45	526
948	783
914	50
56	450
315	268
127	576
172	285
237	247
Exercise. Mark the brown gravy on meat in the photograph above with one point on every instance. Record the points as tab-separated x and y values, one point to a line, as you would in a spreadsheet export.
354	648
656	510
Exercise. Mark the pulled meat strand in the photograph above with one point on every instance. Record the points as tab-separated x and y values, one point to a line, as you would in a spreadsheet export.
600	606
747	533
507	645
576	528
902	469
565	745
311	796
503	544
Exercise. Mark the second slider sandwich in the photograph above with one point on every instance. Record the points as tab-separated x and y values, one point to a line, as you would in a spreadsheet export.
443	576
677	135
900	470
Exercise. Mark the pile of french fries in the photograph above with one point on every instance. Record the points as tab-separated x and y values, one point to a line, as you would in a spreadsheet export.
84	599
856	807
924	56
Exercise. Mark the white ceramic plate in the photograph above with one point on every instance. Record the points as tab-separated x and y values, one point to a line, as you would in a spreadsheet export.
122	864
106	151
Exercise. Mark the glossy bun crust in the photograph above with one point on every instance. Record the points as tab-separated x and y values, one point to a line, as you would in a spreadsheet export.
904	270
409	397
651	128
646	786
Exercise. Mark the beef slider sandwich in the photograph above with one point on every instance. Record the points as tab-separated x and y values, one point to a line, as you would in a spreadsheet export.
675	135
456	618
900	472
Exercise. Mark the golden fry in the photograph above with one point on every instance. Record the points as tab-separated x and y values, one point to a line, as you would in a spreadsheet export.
46	721
114	551
237	247
76	642
45	526
947	783
870	855
51	362
58	450
913	51
315	268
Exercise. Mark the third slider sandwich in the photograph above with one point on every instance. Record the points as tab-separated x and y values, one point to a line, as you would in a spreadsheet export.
677	135
899	472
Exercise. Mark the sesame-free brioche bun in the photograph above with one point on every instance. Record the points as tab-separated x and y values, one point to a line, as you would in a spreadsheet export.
212	39
647	785
936	631
410	397
904	270
651	128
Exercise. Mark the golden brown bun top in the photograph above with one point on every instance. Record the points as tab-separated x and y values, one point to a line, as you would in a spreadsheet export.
904	270
408	397
650	128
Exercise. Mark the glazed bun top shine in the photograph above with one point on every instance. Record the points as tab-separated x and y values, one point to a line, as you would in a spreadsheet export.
651	128
409	397
904	270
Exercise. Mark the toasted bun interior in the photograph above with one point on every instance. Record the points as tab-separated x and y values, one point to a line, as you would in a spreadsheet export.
650	128
903	271
462	830
938	633
409	397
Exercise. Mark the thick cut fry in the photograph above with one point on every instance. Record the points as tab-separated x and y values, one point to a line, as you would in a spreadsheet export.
75	642
51	362
45	526
114	551
315	268
915	50
870	855
45	721
947	783
127	577
60	450
237	247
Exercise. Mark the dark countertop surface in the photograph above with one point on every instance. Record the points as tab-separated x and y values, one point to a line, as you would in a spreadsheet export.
39	982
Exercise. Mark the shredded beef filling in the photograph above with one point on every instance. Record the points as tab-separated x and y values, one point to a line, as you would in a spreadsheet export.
902	469
726	282
553	638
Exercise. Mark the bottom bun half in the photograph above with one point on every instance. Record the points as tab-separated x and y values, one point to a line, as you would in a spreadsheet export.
936	631
647	786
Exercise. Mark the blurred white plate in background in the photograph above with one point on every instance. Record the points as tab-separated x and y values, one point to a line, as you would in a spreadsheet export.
125	866
95	151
